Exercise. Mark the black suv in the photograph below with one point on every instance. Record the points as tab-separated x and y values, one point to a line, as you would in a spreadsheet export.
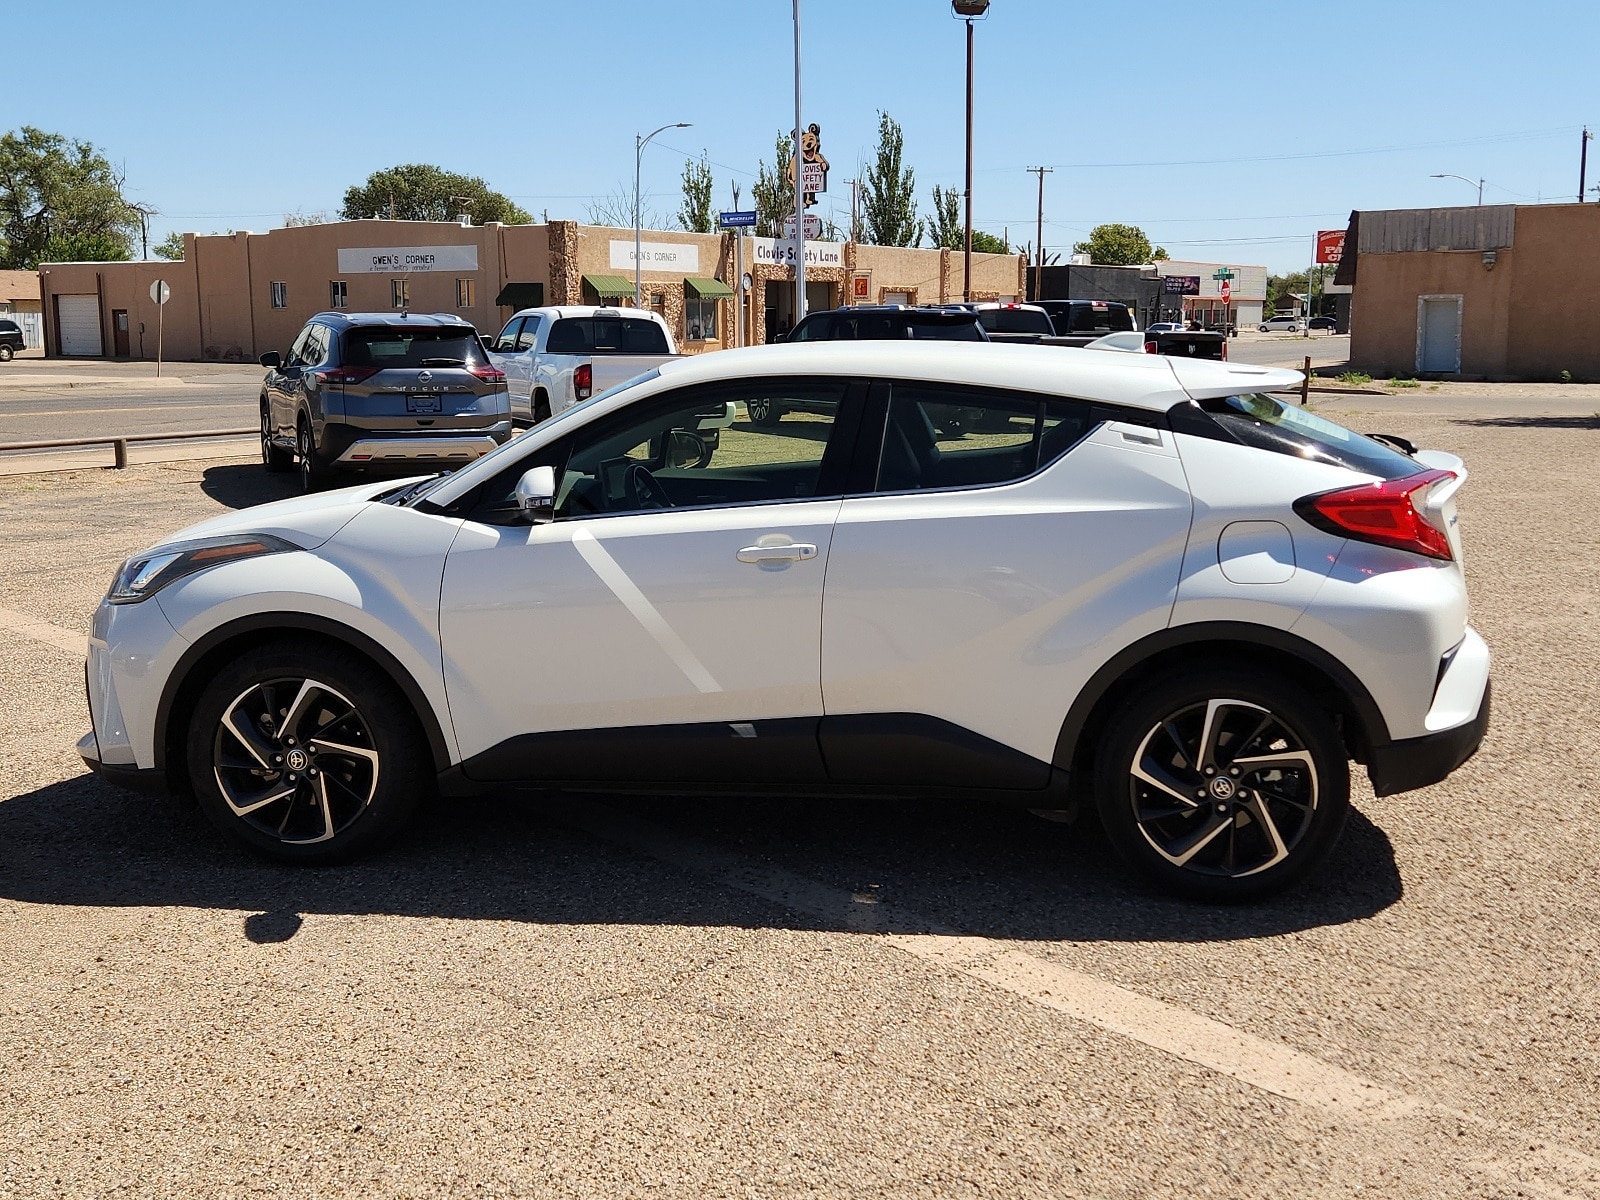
888	323
381	392
10	339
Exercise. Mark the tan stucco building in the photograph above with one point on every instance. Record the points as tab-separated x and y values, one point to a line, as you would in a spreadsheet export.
1496	291
235	296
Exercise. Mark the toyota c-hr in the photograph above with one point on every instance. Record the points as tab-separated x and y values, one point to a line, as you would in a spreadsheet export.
1155	584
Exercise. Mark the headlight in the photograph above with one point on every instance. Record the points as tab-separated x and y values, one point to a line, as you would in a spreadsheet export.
146	574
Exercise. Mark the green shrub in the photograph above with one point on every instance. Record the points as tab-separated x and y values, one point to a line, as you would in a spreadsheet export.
1403	381
1355	377
1565	377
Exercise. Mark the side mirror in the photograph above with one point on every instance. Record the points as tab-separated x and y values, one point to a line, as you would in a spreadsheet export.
780	337
536	495
272	359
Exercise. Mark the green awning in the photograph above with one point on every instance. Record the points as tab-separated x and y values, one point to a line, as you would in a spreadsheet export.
521	295
707	289
609	287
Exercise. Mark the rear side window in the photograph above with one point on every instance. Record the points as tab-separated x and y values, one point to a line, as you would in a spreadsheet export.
812	329
938	437
387	347
1015	320
1099	318
1268	423
606	335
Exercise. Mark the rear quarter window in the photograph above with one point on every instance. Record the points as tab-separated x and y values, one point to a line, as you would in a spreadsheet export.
1268	423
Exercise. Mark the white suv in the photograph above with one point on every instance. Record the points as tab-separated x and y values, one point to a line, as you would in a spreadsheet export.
1154	584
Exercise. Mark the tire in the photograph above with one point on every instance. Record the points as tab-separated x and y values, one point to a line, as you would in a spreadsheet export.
1262	329
5	353
763	412
541	407
1200	833
362	757
273	457
313	474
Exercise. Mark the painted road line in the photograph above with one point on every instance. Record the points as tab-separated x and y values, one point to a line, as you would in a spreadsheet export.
1545	1169
43	631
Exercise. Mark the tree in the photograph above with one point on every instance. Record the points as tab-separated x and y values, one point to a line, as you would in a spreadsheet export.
615	210
984	242
298	218
1119	246
696	215
944	227
889	201
170	247
60	201
421	192
773	193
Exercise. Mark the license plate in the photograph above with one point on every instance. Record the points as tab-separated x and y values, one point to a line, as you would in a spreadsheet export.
422	402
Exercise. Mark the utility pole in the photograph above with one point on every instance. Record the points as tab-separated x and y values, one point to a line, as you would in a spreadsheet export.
1583	162
1038	275
855	209
799	188
966	263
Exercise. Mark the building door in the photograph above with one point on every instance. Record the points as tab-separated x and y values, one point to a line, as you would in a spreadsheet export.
1439	334
78	323
119	332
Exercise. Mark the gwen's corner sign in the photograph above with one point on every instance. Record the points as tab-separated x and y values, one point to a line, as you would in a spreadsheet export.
774	252
399	260
677	257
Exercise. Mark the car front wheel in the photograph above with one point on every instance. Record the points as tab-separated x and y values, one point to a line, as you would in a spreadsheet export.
273	457
305	753
5	353
1223	786
313	474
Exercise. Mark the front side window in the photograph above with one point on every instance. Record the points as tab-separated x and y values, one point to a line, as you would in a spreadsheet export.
399	293
507	341
940	437
280	294
338	294
529	335
700	449
296	356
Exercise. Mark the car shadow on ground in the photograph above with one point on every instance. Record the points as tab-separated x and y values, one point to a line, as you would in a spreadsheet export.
1533	421
244	485
980	870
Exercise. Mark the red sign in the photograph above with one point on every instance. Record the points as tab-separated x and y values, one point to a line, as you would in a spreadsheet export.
862	282
1330	245
1226	289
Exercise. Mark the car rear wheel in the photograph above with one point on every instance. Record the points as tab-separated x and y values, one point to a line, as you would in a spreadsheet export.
1224	785
313	475
5	353
273	456
541	407
763	412
306	753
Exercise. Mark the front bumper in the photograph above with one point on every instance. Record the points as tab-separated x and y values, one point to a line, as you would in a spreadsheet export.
1413	763
150	780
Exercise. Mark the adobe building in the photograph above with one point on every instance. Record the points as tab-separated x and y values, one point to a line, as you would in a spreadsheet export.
1497	291
235	296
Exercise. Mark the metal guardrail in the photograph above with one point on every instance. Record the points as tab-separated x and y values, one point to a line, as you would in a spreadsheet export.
119	441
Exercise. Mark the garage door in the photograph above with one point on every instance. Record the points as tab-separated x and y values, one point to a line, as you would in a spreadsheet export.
80	325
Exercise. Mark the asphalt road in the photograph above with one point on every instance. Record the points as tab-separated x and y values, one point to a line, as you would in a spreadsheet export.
754	997
1328	351
55	398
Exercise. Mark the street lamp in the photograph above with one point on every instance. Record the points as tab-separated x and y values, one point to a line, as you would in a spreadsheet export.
1478	183
968	11
639	143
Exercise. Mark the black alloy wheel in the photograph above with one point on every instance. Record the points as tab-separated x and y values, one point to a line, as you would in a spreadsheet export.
304	752
763	412
1225	786
273	457
313	475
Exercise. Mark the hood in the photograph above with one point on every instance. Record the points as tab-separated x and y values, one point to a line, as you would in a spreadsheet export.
305	521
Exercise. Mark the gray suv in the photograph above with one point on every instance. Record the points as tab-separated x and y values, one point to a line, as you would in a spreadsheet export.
381	392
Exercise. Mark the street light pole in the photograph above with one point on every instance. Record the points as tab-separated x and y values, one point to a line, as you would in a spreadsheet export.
968	10
639	143
1469	182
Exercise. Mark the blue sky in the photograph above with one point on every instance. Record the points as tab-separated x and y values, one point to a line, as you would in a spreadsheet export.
1227	131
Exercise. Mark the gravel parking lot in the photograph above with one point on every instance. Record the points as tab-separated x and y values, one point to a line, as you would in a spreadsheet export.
549	995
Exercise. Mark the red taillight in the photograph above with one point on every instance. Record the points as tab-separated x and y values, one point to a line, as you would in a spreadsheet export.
343	375
1224	347
1151	348
1385	514
582	380
487	373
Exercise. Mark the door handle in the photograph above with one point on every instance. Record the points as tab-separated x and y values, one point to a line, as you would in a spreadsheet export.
794	552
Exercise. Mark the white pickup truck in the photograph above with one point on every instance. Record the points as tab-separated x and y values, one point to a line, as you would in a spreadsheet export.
558	356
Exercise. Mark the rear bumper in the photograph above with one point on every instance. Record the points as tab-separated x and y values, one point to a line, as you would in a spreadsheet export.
378	451
1414	763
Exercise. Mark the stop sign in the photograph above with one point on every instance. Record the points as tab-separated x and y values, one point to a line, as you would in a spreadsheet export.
1226	289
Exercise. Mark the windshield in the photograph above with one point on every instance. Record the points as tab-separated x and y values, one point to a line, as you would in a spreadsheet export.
1270	424
386	346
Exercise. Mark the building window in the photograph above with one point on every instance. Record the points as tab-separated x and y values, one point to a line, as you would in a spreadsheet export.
338	294
466	293
399	293
280	295
700	320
